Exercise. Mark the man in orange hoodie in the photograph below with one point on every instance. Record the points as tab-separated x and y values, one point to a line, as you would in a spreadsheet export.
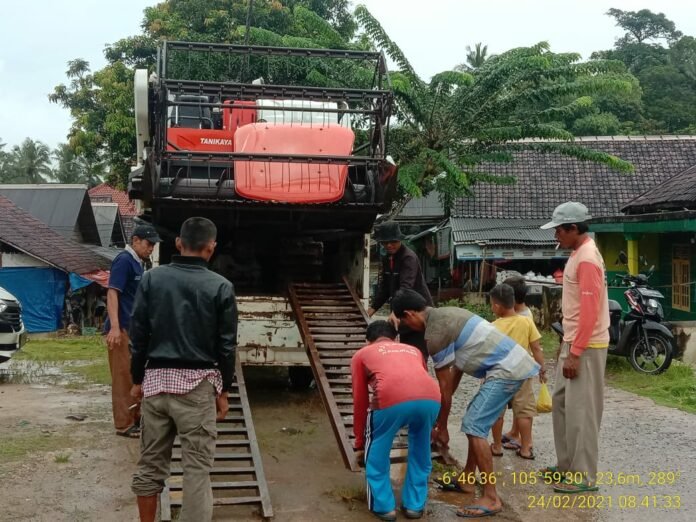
578	396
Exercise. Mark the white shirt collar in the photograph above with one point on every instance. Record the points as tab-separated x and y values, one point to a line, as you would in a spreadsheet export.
130	250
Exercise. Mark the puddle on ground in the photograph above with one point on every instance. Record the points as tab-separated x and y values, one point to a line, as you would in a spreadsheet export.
40	373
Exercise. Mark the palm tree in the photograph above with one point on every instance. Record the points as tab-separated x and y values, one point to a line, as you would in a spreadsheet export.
30	162
475	58
446	128
76	169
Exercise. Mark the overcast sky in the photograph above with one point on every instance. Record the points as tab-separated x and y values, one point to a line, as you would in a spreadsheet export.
37	39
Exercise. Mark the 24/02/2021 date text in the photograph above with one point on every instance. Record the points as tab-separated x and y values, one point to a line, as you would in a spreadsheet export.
599	502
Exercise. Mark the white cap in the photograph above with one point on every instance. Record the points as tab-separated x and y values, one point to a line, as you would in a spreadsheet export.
567	213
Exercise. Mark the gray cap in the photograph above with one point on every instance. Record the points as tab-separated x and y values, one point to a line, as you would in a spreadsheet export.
567	213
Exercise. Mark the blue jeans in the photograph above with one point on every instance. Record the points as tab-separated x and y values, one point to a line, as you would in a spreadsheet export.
382	426
487	405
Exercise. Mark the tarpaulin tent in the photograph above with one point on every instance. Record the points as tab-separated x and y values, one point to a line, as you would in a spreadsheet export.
41	292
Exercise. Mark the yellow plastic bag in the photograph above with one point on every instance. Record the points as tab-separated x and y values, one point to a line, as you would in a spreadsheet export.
544	400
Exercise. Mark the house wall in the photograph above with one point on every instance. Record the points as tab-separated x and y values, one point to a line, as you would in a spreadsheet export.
657	249
19	260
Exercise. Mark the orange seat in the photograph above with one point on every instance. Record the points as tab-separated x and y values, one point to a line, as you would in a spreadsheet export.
292	182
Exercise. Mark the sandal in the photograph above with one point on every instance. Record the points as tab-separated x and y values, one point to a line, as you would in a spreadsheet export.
484	512
570	488
494	453
528	457
512	445
132	433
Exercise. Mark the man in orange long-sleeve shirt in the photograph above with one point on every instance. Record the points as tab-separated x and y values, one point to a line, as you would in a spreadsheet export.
578	396
404	395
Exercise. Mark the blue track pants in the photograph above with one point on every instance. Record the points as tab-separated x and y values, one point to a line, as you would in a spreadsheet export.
382	426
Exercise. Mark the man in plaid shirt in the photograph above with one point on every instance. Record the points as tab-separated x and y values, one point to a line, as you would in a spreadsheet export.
184	335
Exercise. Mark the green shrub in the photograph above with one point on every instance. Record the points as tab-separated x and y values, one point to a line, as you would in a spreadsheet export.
482	310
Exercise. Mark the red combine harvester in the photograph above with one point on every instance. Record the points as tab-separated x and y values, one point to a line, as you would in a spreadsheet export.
284	150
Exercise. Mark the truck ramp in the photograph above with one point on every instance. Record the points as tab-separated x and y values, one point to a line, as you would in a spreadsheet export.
237	476
332	323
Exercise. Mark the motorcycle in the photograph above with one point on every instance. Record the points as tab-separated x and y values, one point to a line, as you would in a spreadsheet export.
641	335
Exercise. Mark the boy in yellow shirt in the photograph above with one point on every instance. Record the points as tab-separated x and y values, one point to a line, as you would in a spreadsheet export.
523	331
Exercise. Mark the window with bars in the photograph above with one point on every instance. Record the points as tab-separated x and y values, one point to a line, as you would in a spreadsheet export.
681	278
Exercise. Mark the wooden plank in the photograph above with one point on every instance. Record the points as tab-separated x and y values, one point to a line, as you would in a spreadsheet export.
337	330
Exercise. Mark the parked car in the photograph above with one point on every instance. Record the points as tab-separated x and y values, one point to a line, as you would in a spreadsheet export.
13	334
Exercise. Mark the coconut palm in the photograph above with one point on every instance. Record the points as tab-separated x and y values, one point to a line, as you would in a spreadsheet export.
30	162
475	58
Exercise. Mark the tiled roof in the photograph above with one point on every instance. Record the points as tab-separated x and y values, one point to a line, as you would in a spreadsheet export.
677	193
546	180
519	232
107	194
22	231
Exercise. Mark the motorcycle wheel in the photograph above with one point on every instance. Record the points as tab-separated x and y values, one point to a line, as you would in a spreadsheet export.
652	357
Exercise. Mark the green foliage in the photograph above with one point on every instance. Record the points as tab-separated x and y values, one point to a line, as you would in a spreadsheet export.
76	169
480	309
447	127
676	387
101	102
475	58
644	25
667	74
29	162
600	124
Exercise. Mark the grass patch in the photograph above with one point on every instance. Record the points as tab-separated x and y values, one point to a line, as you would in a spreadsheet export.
549	343
676	387
15	447
62	350
95	373
62	458
84	357
349	494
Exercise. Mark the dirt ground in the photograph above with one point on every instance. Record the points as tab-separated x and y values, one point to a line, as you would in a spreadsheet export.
81	471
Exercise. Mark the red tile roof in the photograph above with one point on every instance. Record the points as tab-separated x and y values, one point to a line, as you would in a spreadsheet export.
104	191
22	231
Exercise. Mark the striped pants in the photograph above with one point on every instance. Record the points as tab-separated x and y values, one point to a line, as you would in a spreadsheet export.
382	426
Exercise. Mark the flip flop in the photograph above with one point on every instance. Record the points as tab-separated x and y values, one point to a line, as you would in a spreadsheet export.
485	512
570	488
494	453
528	457
511	445
549	469
132	433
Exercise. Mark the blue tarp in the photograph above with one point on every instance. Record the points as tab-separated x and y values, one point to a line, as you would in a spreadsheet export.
77	282
41	292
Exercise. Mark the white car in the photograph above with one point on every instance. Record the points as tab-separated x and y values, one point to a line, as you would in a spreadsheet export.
13	335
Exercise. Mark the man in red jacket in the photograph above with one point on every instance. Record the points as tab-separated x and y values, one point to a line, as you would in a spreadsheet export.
404	395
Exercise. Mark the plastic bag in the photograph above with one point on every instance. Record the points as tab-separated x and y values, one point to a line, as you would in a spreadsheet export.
544	401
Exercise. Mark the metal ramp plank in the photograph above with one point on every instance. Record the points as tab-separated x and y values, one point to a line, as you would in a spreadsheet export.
332	322
249	481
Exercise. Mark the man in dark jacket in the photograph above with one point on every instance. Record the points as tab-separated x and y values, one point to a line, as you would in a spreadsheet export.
400	269
184	335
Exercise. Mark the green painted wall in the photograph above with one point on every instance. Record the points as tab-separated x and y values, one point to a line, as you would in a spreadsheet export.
657	250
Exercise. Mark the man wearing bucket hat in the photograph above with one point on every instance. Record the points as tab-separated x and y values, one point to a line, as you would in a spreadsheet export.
578	396
400	269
